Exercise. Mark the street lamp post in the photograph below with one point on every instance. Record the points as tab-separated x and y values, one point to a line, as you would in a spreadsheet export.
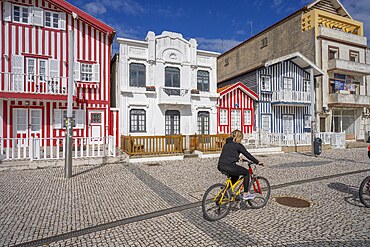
312	109
69	123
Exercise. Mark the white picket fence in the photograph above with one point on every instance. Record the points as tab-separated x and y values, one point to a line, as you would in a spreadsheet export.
336	140
54	148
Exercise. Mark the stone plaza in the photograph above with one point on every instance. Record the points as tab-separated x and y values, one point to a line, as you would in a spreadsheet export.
158	204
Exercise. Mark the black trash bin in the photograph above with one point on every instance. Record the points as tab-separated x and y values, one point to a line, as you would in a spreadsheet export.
317	145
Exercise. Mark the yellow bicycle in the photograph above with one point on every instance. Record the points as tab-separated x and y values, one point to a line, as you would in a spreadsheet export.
218	198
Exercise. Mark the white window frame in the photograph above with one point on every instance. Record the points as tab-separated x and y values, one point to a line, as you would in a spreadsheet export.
224	113
24	117
247	117
21	12
288	119
266	126
54	19
307	121
32	121
87	75
288	83
306	85
266	85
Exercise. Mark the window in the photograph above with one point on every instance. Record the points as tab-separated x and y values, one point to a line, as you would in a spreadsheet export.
266	122
172	77
42	70
137	75
226	61
31	70
86	72
354	56
247	117
21	120
265	83
264	42
223	116
307	121
306	86
52	19
21	14
288	83
35	120
172	122
203	81
137	120
203	122
333	53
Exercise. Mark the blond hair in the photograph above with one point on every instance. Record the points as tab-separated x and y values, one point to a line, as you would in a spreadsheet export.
237	136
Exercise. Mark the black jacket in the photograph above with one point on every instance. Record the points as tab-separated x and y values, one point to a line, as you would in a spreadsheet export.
231	151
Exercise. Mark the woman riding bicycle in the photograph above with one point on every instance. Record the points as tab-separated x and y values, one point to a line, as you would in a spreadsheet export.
230	155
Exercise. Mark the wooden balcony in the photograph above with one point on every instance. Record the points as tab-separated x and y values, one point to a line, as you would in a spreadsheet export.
287	97
30	85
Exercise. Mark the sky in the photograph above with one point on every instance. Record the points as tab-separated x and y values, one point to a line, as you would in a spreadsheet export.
217	25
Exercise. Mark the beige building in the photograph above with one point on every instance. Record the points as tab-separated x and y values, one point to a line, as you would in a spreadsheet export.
325	33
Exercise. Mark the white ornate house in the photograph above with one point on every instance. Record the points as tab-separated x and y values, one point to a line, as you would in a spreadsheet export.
164	86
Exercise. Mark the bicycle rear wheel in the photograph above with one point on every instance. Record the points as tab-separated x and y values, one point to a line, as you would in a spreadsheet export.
364	192
261	188
216	202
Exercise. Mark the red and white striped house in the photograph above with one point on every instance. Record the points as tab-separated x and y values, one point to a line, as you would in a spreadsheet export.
236	108
34	70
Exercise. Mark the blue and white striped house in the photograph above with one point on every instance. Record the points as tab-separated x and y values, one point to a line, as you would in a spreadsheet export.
284	89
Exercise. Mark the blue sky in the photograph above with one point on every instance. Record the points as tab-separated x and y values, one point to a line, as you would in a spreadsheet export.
217	25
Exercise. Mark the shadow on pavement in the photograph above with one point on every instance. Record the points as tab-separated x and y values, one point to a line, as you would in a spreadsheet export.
302	164
353	198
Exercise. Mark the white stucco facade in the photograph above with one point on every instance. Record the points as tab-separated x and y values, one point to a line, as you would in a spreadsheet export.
157	79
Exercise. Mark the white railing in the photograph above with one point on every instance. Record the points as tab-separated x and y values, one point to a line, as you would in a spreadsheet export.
337	140
54	148
288	96
173	95
35	84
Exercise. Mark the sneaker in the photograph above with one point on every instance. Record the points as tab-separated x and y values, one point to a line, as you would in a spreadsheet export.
248	196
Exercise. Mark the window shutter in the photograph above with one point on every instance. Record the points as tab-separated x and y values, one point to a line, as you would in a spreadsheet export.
96	72
38	16
77	71
7	11
54	68
62	21
18	72
57	119
80	119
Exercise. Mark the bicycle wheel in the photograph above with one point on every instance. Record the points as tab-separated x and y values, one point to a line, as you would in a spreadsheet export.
260	186
364	192
216	202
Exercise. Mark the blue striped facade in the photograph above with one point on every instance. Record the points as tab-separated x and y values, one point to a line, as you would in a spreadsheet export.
276	111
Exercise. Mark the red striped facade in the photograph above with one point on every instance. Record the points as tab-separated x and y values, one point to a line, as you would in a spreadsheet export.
236	109
34	70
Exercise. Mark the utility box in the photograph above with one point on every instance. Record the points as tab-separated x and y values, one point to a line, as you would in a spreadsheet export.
317	146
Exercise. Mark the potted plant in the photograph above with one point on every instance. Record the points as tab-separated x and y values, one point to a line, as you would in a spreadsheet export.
150	88
194	91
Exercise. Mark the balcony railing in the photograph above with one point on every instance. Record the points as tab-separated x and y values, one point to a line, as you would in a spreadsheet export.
174	96
349	67
349	99
291	97
34	84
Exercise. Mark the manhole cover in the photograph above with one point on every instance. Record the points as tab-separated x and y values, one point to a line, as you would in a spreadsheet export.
292	202
153	164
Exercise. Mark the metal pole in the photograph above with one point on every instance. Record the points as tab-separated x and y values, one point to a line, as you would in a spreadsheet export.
69	123
313	126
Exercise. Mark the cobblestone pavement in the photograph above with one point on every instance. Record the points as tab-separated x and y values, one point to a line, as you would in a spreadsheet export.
156	204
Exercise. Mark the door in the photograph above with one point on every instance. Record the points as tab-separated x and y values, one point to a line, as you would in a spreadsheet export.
236	120
203	123
172	125
96	123
288	128
27	124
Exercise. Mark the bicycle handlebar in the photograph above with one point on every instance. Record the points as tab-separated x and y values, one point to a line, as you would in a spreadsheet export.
251	162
